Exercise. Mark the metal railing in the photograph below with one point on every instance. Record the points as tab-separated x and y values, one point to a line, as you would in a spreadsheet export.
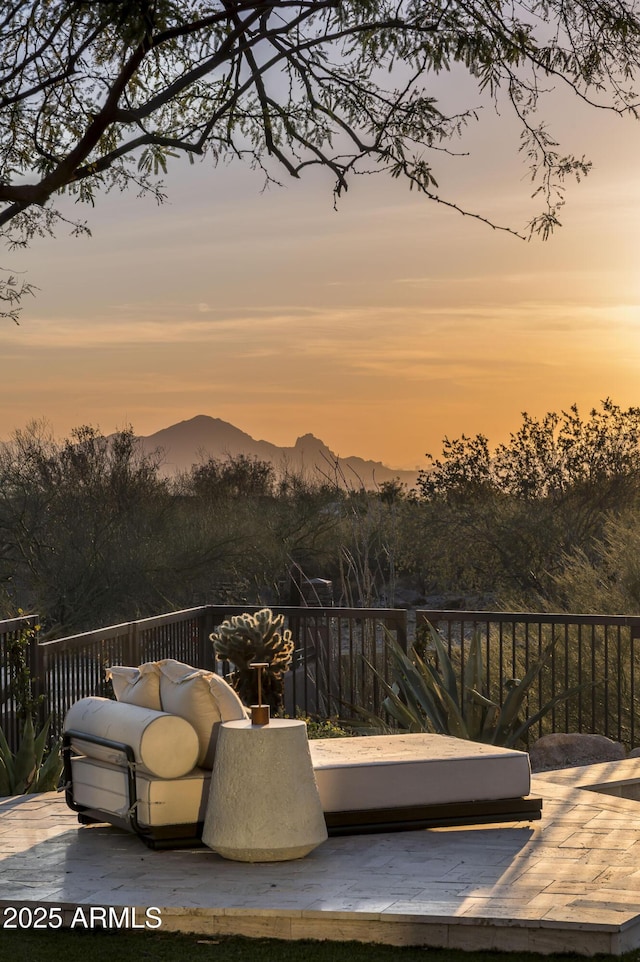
74	667
597	654
328	676
334	647
12	631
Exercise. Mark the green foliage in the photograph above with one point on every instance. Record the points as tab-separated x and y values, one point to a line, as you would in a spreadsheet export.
236	477
92	533
30	769
324	727
75	521
244	639
130	86
464	471
505	521
603	577
20	687
425	696
544	459
76	945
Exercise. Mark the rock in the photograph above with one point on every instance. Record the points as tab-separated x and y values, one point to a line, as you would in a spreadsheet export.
561	750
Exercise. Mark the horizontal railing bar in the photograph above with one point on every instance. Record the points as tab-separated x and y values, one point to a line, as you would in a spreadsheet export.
526	617
13	624
115	631
156	621
319	611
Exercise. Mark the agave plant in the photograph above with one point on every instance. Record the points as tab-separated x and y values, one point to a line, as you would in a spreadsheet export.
244	639
424	696
28	770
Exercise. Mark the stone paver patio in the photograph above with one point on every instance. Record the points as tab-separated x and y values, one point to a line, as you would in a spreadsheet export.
570	882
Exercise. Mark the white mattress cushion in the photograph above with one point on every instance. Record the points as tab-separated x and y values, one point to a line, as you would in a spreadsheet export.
177	801
166	745
136	686
390	771
203	698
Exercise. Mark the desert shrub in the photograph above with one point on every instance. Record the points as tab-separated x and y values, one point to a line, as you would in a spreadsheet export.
324	727
606	577
429	693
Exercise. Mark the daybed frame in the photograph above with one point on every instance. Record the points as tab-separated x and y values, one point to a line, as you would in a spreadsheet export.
398	818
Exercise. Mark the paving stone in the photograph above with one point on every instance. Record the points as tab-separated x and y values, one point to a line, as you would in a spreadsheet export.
569	882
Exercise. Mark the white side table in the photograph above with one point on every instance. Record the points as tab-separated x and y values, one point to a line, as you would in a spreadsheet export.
263	803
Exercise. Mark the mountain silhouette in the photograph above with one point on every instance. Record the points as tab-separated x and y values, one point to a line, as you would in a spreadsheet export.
202	437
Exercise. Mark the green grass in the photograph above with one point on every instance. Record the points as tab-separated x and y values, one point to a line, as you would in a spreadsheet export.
82	946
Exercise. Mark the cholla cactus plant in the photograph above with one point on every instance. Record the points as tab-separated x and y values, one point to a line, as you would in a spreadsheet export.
246	638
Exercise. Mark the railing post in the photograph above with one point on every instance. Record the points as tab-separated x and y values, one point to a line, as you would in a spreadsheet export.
134	655
402	630
634	636
37	664
206	657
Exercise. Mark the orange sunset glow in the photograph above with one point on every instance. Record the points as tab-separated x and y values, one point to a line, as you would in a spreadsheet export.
380	327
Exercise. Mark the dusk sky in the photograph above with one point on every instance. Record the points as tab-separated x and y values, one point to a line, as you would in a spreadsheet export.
381	327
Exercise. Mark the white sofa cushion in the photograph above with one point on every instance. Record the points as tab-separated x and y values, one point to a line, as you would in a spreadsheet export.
176	801
383	771
137	686
203	698
165	745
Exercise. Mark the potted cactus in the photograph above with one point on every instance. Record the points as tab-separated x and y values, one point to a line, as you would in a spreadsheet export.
245	639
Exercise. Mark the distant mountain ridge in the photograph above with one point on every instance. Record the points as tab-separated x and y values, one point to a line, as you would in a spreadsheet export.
201	437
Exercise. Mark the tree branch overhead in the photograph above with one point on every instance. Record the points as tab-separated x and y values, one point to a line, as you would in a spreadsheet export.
96	95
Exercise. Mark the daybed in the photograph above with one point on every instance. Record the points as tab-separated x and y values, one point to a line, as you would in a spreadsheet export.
144	763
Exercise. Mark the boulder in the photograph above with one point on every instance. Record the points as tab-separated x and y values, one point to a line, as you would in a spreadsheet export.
560	750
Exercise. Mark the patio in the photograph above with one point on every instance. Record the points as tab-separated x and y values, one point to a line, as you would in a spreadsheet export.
570	882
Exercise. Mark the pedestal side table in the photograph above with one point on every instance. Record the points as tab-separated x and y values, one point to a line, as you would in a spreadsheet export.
263	803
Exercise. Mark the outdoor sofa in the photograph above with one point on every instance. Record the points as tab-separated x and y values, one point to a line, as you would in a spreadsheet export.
144	763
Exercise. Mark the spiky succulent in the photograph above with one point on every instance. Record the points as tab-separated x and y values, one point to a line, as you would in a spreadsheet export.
244	639
30	769
425	696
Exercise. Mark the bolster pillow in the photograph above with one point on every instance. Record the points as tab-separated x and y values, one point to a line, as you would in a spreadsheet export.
166	745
